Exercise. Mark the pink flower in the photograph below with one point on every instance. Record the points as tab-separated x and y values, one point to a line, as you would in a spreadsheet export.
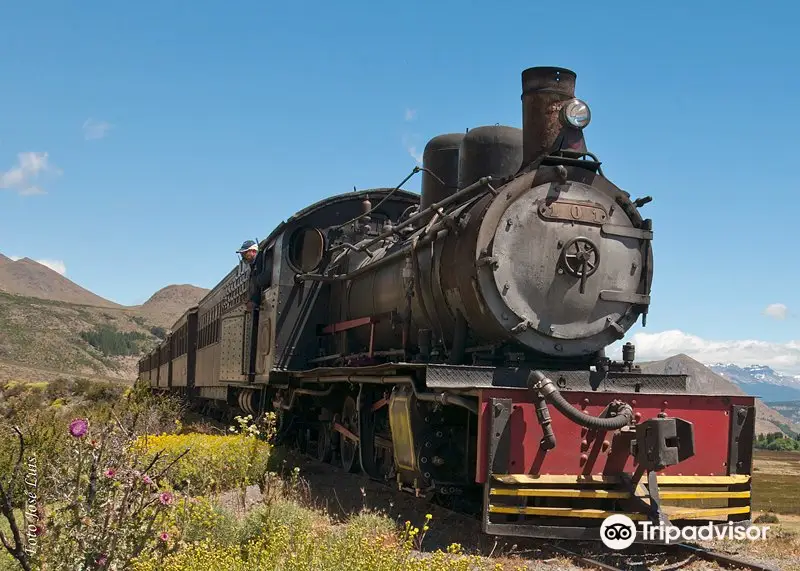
101	559
164	536
147	480
78	427
110	473
165	498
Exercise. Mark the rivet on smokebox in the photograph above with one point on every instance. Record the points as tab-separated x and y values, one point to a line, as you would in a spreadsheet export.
605	445
584	444
584	458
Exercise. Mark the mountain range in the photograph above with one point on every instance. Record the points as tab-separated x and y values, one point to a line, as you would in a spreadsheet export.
761	381
48	324
46	319
704	380
26	277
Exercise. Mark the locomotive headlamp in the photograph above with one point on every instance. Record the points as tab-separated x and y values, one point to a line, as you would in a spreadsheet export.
575	113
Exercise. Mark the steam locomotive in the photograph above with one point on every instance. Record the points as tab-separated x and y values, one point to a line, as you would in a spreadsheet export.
453	343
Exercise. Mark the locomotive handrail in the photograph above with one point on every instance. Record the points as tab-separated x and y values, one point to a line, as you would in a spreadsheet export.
423	213
441	226
444	398
424	239
385	198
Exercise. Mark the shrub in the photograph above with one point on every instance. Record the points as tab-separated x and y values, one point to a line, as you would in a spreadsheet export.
159	332
198	519
294	543
214	463
111	342
44	427
768	517
105	507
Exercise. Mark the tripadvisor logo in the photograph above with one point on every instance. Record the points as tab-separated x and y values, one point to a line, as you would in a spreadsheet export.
619	532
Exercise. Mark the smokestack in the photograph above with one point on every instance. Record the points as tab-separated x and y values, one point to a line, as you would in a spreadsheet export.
544	90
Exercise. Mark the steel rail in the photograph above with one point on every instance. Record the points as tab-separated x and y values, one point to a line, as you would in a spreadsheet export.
724	558
586	560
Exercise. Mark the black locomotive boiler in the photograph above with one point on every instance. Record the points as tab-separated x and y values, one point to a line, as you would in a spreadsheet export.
453	342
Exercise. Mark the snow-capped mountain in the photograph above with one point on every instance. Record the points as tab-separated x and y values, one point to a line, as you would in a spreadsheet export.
761	381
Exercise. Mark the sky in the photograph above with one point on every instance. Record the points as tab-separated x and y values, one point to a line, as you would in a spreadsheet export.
142	142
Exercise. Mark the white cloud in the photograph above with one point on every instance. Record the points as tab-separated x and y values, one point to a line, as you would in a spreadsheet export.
783	357
410	114
411	148
776	311
95	129
29	167
55	265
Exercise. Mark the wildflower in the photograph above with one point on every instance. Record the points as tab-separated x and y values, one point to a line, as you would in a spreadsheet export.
164	536
78	427
110	473
165	498
101	559
147	480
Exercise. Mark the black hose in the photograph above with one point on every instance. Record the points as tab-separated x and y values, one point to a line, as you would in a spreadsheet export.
548	441
539	382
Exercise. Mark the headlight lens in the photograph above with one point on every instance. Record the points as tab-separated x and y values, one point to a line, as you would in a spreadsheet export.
576	113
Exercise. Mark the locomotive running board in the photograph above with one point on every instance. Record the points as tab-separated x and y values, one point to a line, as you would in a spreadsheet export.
502	491
468	377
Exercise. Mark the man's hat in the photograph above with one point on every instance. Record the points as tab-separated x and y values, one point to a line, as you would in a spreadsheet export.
247	245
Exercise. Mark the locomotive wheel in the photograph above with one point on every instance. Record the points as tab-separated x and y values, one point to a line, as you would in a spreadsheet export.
348	449
324	442
301	439
374	421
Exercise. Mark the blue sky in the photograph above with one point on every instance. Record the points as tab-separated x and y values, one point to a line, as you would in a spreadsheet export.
140	143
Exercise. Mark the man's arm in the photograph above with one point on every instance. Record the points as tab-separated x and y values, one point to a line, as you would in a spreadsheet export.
253	291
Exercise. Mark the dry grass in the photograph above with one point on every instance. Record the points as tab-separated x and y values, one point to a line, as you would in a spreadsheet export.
776	482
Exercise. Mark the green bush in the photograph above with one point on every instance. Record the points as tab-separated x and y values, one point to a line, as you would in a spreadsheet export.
297	538
159	332
776	441
768	517
111	342
213	463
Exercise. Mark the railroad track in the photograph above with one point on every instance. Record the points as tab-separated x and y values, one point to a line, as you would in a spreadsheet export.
723	559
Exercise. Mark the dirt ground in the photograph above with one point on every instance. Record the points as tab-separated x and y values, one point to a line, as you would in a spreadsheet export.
341	494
